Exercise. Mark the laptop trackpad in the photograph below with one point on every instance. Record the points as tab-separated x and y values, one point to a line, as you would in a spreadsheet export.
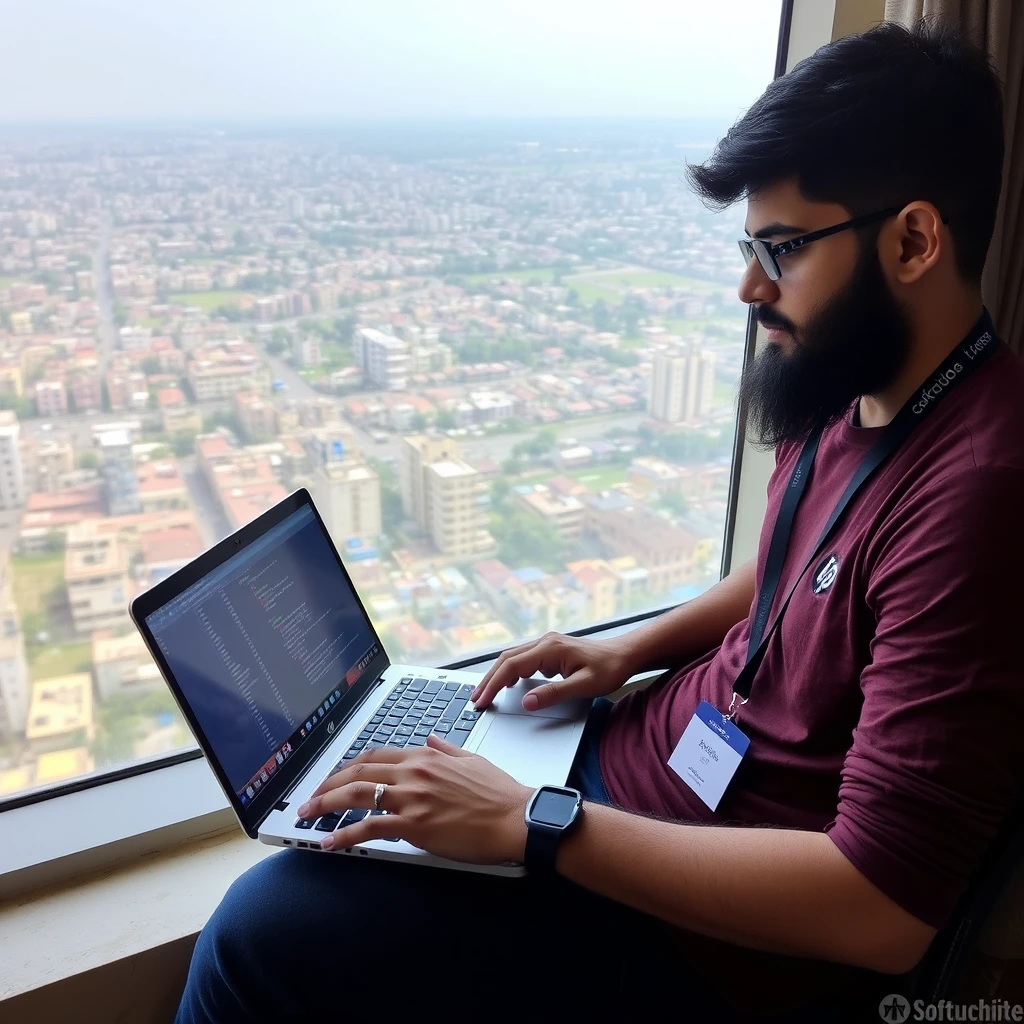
535	751
510	702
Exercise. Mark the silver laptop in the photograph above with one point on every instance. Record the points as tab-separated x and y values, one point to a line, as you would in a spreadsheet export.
275	664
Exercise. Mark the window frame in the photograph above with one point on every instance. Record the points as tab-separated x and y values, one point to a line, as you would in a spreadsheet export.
178	792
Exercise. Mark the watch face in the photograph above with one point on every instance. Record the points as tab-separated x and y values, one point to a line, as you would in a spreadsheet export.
552	808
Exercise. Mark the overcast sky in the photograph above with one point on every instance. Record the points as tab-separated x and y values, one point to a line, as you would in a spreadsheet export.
317	59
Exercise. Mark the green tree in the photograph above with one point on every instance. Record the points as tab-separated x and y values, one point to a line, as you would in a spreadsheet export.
525	539
446	420
418	421
673	502
500	491
87	460
344	328
183	443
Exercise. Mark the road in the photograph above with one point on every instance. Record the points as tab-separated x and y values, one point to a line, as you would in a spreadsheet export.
494	447
104	296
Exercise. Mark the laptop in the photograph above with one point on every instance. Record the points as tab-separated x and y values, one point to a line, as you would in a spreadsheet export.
282	677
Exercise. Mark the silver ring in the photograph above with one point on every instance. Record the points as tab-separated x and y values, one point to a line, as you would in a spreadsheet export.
378	794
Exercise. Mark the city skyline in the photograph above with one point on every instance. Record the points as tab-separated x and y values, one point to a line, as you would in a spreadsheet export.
498	346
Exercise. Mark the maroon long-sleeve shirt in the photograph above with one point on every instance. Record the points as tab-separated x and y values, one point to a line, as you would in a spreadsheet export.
889	710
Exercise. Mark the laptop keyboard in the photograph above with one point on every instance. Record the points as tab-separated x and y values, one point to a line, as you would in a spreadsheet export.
415	708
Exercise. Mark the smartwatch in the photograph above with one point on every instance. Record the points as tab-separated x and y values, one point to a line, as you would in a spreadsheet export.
551	814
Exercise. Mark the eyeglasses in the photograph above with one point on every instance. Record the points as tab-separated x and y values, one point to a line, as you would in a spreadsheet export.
767	254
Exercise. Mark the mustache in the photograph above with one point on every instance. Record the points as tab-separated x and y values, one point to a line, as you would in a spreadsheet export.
768	317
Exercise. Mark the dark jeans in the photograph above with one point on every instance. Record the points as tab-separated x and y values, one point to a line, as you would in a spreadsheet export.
311	935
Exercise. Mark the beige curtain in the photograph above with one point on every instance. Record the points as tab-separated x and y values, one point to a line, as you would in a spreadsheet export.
998	26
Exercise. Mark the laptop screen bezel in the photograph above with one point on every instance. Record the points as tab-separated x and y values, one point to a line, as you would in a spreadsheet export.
253	814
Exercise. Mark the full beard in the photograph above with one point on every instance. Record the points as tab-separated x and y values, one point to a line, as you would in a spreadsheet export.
855	345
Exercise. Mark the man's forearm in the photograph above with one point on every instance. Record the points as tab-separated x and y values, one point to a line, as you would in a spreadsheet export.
781	890
695	627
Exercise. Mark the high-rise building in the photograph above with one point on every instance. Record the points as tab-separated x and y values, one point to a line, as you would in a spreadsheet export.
96	577
457	516
682	384
347	493
12	475
416	456
383	358
118	468
14	684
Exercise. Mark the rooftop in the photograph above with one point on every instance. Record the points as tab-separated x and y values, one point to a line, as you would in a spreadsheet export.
452	469
61	704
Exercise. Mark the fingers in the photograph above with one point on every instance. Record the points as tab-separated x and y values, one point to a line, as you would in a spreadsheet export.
344	798
511	667
435	741
501	659
354	768
548	694
373	826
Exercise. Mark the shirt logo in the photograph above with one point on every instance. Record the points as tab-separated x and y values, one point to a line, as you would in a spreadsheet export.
826	573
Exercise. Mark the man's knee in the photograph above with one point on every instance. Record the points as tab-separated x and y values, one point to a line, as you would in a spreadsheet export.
228	971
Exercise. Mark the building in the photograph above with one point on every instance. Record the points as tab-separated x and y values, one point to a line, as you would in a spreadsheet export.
134	339
50	462
51	398
219	373
257	417
347	493
21	322
562	511
625	529
12	475
600	585
682	384
181	419
383	358
14	686
117	467
455	491
87	391
654	476
127	390
60	714
416	455
160	486
306	350
11	381
122	664
165	551
96	577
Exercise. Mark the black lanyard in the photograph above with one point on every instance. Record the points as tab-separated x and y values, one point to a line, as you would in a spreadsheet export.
961	363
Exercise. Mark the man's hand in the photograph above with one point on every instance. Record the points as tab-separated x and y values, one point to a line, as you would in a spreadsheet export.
440	798
589	668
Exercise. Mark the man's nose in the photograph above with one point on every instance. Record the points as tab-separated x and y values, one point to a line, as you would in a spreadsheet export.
756	286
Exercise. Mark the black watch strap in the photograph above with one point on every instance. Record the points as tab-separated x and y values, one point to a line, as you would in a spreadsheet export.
542	845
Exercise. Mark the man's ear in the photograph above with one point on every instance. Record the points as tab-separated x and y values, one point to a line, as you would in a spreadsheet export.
913	243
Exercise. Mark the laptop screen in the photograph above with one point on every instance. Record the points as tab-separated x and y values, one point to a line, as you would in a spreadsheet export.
263	646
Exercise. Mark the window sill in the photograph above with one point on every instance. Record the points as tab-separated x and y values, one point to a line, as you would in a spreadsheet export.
133	866
47	842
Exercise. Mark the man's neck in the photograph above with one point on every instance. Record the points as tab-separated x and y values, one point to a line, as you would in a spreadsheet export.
930	347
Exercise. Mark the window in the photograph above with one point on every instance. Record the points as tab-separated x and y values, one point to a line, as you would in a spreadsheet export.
485	323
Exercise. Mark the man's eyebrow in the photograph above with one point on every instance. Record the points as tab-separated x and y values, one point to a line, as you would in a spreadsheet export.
771	230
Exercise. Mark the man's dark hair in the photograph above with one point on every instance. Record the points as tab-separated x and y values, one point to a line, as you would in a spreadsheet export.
876	120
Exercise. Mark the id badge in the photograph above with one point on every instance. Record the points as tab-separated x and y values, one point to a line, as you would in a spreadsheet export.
708	753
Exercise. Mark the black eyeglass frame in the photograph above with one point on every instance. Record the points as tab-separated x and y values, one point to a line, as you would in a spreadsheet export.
767	255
